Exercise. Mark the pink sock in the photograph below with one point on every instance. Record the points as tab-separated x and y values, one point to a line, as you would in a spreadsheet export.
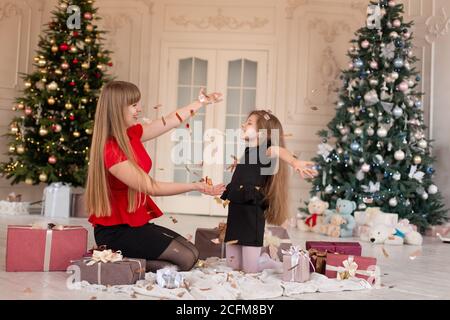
250	257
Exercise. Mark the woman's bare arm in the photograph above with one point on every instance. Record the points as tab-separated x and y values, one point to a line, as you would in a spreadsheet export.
158	127
304	168
125	172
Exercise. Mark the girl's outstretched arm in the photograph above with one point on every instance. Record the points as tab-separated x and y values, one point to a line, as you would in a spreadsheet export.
304	168
160	126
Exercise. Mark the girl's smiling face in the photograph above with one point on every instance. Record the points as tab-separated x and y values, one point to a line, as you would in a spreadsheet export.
131	113
250	129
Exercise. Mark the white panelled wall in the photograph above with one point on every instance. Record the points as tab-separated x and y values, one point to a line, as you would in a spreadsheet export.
300	46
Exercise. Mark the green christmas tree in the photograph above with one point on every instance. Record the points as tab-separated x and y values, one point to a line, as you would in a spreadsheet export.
379	155
51	135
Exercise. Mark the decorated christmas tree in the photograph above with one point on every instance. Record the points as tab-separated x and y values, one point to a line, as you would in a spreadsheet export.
375	151
51	134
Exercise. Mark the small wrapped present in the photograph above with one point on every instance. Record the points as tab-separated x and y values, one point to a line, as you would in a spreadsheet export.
57	200
276	239
340	266
296	264
44	247
318	251
443	230
109	268
169	278
210	242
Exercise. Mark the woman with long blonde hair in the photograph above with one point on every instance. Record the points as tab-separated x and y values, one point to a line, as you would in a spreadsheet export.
258	191
118	187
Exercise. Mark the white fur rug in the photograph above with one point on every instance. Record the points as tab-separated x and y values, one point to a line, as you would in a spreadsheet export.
216	281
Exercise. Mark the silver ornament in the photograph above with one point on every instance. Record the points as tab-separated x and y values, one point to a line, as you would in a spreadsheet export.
382	132
397	112
393	202
432	189
399	155
397	176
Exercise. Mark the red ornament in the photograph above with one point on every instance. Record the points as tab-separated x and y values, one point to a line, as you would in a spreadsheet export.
110	64
75	34
28	111
72	83
72	117
63	47
75	61
97	75
52	159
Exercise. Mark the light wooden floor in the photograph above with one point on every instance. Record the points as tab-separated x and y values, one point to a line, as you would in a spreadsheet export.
425	277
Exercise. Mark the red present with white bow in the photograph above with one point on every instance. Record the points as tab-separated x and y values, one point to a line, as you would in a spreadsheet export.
341	267
296	264
44	247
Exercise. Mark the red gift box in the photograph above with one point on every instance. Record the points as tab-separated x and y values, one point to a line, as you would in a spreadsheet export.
29	249
321	248
341	266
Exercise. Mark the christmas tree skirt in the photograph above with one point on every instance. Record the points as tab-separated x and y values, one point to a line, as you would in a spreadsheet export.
216	281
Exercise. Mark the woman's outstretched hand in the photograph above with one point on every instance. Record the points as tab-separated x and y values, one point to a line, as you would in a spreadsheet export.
205	99
209	189
305	168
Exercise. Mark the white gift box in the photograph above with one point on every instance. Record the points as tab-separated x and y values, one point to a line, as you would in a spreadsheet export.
364	218
57	198
14	208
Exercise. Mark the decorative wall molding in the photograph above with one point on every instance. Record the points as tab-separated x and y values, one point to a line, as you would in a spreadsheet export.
437	26
220	21
329	30
150	4
360	5
292	6
8	10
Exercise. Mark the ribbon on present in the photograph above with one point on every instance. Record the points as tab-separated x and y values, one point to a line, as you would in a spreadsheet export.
273	243
295	253
48	237
105	256
349	270
320	258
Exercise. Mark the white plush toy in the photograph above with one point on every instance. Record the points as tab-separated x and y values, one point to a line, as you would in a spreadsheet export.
402	233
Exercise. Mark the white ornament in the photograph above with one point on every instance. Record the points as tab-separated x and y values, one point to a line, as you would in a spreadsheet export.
424	196
393	202
432	189
328	189
382	132
370	131
397	176
399	155
371	98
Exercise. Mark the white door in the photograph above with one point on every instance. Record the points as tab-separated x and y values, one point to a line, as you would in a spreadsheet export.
242	77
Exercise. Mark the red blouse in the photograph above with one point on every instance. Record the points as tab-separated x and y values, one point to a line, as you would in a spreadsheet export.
119	191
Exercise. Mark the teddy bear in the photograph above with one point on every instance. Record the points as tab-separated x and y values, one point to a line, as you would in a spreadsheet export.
333	229
402	233
344	208
317	209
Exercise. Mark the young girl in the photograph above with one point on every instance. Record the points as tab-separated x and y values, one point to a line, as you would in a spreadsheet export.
258	191
118	186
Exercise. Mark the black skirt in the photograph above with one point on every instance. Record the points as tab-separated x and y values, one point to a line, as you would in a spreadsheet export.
146	242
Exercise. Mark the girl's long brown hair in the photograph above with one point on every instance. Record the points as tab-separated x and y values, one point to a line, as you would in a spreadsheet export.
110	122
276	188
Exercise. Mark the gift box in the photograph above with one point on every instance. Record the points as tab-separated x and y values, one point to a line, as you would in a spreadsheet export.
373	216
361	231
31	248
123	272
57	200
318	251
296	263
210	242
78	207
276	239
341	266
443	230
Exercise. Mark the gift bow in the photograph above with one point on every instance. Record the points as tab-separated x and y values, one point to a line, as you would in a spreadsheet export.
349	270
105	256
273	242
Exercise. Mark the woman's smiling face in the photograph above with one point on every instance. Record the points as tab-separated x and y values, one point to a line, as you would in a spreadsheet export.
249	129
131	113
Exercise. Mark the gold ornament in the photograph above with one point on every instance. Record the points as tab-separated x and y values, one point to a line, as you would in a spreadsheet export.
84	100
100	66
12	149
51	101
417	159
58	71
20	106
43	131
85	65
43	70
43	177
73	49
99	54
20	149
36	59
88	40
64	65
52	41
14	130
44	80
90	27
29	181
88	131
54	49
42	63
52	86
28	84
76	134
68	106
86	87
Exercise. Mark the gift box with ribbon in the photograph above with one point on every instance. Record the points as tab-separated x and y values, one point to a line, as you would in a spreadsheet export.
276	239
109	267
44	247
296	264
318	251
57	200
341	267
210	241
443	230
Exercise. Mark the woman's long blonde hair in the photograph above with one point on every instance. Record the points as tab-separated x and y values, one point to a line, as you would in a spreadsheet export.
110	122
276	188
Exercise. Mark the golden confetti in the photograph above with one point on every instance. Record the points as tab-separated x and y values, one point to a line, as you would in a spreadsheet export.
192	113
179	295
179	117
27	290
93	298
200	263
157	106
205	289
415	254
173	219
225	203
134	296
314	108
186	285
218	200
149	287
385	252
232	242
163	120
267	117
215	241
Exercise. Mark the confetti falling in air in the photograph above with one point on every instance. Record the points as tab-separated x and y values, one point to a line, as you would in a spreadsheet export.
233	166
192	113
27	290
179	295
415	254
215	241
157	106
225	203
163	121
205	289
93	298
385	252
232	242
314	108
134	296
267	117
173	219
179	117
218	200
